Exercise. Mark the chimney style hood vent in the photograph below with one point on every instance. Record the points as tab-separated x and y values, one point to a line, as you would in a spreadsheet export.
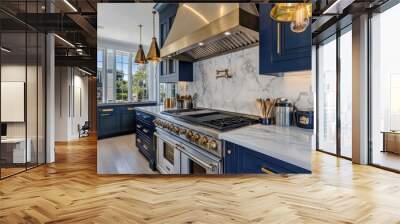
204	30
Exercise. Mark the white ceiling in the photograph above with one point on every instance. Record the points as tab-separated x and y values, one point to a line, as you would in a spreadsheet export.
119	22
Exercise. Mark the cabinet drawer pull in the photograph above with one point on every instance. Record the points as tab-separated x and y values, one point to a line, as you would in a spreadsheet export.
105	115
278	38
139	126
130	108
145	130
108	110
267	171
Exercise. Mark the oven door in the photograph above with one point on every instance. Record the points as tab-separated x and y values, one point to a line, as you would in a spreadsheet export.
168	155
194	162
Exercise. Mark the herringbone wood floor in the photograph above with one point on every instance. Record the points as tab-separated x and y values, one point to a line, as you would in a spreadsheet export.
70	191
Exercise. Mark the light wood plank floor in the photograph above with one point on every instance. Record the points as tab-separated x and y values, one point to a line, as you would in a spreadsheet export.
70	191
119	155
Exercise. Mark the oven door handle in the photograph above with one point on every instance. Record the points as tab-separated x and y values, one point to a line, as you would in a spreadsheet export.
165	139
208	166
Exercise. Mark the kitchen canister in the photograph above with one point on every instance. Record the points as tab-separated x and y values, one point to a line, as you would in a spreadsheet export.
283	112
304	119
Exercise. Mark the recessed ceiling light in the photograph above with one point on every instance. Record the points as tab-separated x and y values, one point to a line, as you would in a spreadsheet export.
227	33
201	44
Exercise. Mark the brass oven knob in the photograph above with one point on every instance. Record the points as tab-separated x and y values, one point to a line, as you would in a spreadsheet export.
203	140
176	130
213	145
182	131
189	134
171	127
165	125
195	137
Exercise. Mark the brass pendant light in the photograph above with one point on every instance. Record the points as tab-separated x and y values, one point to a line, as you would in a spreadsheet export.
298	14
140	56
286	12
154	52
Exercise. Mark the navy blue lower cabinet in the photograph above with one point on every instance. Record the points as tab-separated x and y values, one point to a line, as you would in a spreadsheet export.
127	120
239	159
145	129
282	50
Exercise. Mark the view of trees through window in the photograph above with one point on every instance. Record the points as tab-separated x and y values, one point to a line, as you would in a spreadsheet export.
121	81
121	78
139	83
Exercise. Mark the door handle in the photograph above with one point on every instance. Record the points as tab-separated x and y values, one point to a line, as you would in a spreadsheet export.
267	171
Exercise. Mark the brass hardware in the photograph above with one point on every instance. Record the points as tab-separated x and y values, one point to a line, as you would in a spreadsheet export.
228	151
203	140
213	145
145	130
140	57
138	140
130	108
104	115
139	126
267	171
225	74
195	137
278	38
107	110
286	12
144	146
182	131
189	134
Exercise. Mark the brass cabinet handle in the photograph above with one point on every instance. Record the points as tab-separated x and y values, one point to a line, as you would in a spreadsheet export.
139	126
108	110
267	171
104	115
130	108
145	130
278	38
228	151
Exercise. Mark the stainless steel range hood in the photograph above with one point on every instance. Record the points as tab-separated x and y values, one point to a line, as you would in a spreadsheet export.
203	30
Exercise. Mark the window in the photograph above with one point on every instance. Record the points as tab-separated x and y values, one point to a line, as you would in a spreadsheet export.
385	89
110	76
327	96
121	80
100	74
346	94
140	83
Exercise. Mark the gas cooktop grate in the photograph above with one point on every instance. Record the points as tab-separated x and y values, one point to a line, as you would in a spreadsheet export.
229	122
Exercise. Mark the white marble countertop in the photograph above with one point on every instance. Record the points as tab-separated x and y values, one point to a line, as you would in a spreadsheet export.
290	144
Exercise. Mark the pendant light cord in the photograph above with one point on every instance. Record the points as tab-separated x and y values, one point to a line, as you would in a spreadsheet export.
154	23
140	34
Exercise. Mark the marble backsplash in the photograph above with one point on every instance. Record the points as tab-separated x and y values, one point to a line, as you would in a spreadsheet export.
239	93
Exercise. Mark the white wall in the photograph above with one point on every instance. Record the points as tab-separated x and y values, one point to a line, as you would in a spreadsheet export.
70	83
239	93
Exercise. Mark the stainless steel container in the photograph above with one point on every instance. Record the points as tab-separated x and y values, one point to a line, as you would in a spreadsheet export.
283	112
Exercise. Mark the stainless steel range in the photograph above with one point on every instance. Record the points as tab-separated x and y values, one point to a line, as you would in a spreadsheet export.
183	148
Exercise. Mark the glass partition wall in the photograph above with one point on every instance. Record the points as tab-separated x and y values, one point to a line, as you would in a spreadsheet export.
385	90
22	76
334	97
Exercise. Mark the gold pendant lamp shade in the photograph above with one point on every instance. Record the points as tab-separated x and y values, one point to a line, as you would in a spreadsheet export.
286	12
154	52
140	56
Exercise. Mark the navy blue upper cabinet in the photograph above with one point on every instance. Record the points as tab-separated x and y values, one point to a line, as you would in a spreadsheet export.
171	70
282	50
